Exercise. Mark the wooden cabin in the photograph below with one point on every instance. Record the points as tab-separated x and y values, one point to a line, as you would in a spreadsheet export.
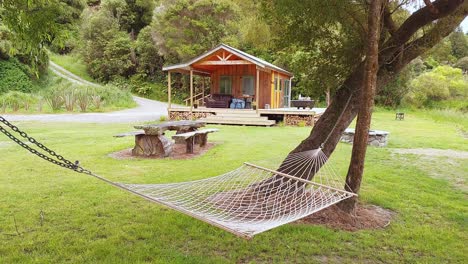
237	75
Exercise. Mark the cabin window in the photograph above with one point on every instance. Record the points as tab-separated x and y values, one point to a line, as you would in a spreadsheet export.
225	85
248	85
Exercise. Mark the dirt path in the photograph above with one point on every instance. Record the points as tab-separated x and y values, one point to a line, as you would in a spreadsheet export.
434	152
62	72
147	110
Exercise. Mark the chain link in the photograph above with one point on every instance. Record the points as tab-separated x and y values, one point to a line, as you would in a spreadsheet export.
57	159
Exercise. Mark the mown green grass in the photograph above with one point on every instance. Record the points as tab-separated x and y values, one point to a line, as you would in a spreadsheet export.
85	220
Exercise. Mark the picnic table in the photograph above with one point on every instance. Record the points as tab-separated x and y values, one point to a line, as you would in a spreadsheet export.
152	142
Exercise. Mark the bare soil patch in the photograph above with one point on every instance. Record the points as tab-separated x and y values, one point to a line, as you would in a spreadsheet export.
178	152
365	217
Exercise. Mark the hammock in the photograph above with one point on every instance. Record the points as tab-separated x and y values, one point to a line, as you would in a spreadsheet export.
253	199
246	201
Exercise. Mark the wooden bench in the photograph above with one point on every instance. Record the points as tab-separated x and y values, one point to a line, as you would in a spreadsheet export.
133	133
192	138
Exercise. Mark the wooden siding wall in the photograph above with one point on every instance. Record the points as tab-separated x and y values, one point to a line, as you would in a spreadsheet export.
265	93
237	71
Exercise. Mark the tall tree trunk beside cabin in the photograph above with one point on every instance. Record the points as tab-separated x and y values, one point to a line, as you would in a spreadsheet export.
356	166
397	51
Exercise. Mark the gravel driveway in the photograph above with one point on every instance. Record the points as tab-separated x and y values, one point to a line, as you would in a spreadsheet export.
147	110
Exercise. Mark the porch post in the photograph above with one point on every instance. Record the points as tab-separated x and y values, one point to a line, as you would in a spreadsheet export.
191	94
289	94
203	90
257	90
169	90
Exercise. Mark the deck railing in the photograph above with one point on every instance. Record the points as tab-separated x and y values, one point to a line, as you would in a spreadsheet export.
200	97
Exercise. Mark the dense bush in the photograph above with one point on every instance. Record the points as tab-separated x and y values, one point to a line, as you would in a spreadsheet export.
14	76
462	64
443	83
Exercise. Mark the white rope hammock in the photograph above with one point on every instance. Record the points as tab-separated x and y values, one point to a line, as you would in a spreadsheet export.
253	199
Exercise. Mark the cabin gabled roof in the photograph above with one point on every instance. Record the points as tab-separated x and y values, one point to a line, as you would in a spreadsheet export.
245	56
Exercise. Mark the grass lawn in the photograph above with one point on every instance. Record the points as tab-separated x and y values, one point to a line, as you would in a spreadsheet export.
67	217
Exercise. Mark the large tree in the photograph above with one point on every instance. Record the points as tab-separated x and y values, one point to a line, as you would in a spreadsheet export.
33	24
183	29
399	45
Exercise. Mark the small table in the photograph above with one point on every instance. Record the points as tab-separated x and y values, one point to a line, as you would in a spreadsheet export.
400	116
154	143
303	103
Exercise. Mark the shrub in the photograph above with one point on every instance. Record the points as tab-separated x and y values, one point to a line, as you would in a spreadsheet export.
14	76
443	83
15	100
3	104
69	99
83	98
97	101
28	100
54	97
40	102
462	64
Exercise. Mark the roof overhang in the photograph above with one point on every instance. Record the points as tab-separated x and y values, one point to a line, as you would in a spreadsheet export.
188	66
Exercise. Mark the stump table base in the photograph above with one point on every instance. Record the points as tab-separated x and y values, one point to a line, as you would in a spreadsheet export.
152	145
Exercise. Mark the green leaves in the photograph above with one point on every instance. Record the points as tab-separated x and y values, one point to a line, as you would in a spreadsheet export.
443	83
33	24
321	41
184	29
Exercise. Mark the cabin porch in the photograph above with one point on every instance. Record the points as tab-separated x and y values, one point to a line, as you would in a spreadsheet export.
259	117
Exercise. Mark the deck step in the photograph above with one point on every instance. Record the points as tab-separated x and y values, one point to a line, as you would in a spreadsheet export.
253	114
239	118
248	122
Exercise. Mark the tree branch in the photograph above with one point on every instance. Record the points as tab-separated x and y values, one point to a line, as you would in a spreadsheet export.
441	29
432	8
420	18
389	24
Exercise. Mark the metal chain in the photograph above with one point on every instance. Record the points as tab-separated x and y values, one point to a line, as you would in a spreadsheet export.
57	159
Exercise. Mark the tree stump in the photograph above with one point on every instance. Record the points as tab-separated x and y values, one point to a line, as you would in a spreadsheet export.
152	145
201	139
189	143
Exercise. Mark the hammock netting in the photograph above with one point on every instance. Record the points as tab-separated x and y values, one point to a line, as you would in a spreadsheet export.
252	199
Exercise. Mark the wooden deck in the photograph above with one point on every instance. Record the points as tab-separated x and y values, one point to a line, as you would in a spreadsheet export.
264	117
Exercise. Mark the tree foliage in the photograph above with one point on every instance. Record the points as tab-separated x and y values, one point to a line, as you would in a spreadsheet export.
320	41
443	83
112	46
35	23
183	29
459	42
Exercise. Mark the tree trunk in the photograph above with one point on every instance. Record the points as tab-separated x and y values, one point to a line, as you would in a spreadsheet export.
356	166
327	93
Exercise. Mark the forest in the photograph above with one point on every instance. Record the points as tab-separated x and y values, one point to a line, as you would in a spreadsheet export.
124	44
